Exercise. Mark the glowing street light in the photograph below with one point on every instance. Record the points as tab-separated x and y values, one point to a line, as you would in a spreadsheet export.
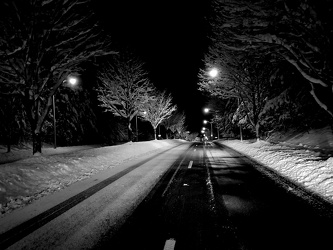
211	127
213	72
207	110
73	81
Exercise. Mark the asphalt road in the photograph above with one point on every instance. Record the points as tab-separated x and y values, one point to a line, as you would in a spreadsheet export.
214	198
193	196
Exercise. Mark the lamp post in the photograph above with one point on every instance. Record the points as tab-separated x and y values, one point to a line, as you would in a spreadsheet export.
211	128
240	125
213	73
207	110
72	81
136	124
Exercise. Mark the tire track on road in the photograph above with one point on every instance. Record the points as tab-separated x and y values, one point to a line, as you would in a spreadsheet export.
17	233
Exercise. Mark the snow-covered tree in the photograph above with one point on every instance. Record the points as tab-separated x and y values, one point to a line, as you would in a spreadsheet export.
158	109
299	32
124	88
41	43
244	79
175	123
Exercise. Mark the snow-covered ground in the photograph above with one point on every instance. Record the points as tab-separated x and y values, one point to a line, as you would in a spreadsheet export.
302	166
32	177
23	181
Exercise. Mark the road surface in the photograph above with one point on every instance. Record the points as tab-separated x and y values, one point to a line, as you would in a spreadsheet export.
193	196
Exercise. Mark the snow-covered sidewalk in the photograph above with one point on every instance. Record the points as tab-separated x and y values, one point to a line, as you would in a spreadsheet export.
301	166
26	180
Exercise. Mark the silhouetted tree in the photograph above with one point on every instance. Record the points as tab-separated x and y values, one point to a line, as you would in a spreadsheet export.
12	126
299	32
245	79
175	123
42	42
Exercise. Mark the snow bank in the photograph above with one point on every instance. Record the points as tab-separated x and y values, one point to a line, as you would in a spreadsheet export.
302	166
26	180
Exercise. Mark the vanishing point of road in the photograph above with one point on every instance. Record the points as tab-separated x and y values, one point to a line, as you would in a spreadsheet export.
193	196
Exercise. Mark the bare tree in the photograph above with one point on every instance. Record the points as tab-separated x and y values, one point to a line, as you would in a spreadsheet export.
42	42
158	109
299	32
175	123
124	88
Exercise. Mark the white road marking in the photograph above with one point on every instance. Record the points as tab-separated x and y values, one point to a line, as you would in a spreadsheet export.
169	244
173	176
190	164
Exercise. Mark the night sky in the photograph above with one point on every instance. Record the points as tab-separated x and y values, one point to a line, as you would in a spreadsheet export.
171	38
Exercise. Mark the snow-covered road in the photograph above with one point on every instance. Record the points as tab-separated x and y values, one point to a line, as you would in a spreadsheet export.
24	181
77	225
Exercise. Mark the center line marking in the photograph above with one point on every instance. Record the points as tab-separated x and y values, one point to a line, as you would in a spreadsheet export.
190	164
169	244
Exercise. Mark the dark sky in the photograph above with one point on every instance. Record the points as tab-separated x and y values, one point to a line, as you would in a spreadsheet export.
171	38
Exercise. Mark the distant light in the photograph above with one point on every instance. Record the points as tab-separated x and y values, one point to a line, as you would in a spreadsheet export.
205	121
206	110
72	80
213	72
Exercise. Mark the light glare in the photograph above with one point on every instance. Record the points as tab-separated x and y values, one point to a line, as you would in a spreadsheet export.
213	72
72	80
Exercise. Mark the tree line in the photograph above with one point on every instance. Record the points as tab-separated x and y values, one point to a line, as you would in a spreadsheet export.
43	43
274	60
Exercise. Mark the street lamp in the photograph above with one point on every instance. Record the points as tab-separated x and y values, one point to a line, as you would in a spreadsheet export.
207	110
211	128
73	81
213	72
136	124
240	125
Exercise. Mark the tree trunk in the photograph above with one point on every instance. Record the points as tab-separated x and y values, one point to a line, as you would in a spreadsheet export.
8	143
257	131
155	133
36	142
